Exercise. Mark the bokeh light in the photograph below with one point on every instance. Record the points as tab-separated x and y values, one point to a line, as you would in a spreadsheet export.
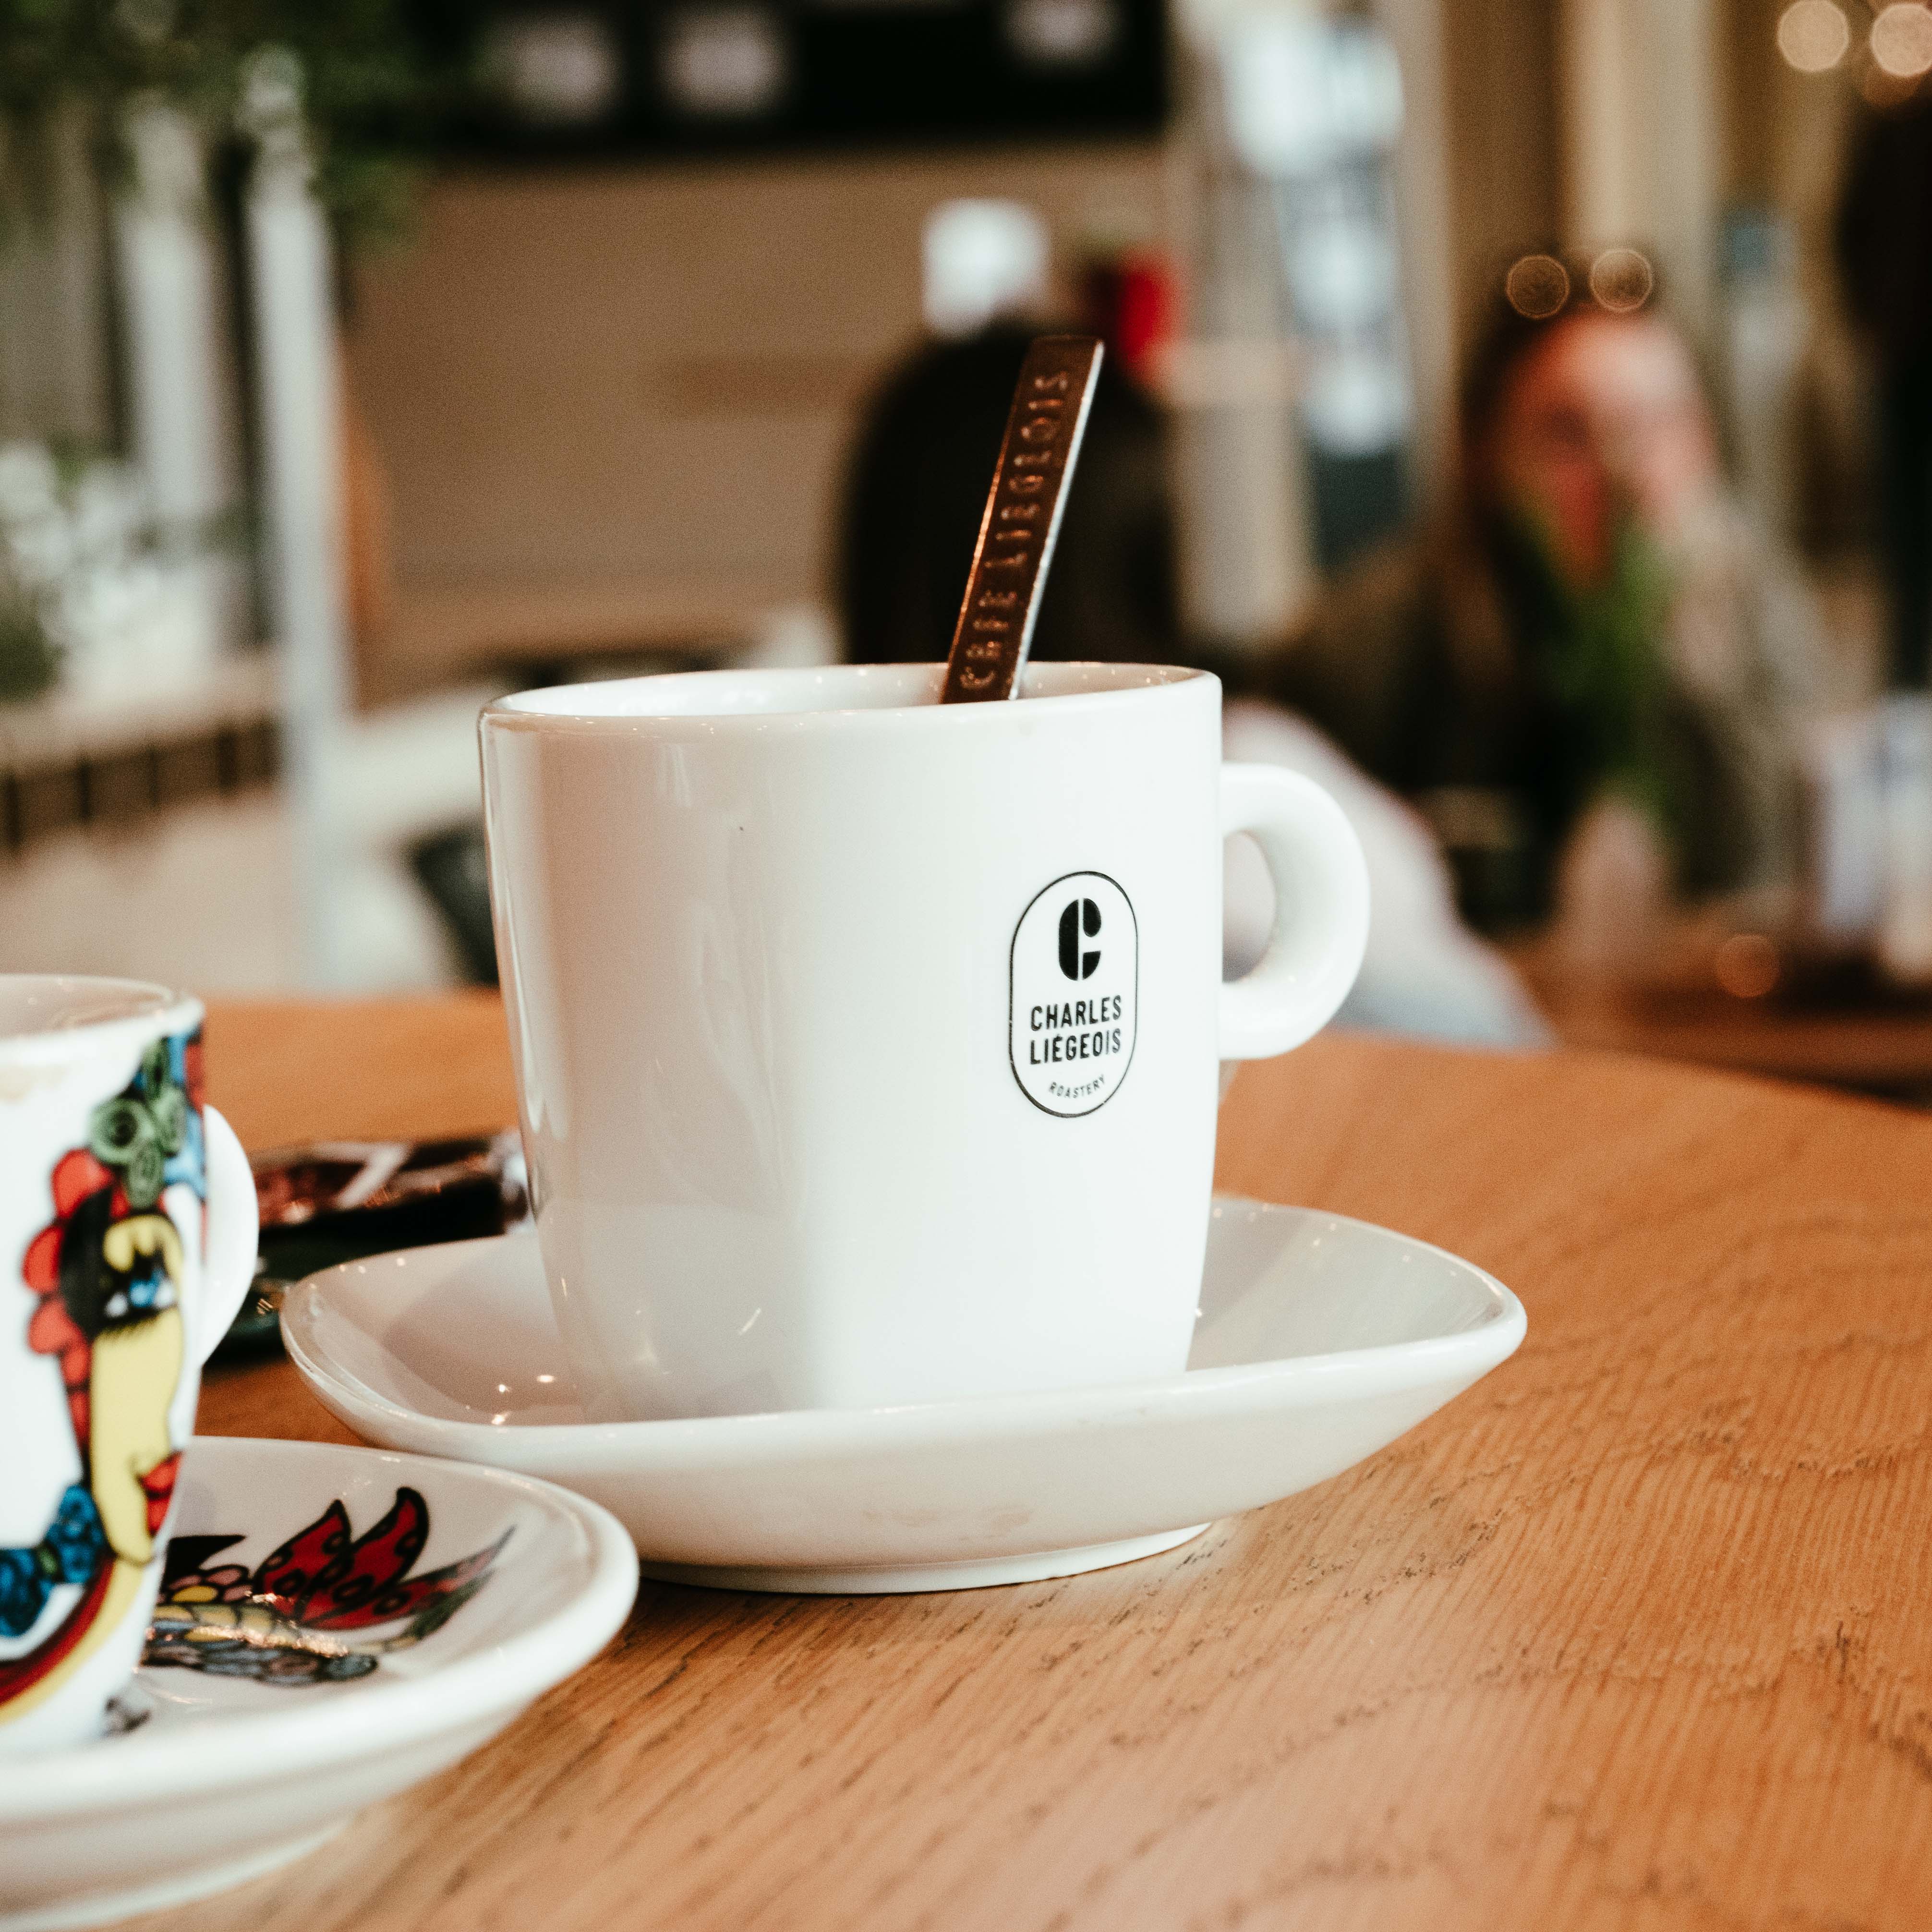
1901	40
1536	286
1621	280
1812	35
1747	966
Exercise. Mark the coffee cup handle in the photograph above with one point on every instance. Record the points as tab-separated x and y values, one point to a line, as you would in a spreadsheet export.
228	1265
1321	912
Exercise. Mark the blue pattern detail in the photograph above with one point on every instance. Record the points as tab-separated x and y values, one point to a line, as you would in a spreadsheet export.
75	1536
23	1592
73	1550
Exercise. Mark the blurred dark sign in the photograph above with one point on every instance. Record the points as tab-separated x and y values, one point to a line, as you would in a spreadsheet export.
706	75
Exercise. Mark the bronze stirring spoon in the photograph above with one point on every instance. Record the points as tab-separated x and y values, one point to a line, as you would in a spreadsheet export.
1037	455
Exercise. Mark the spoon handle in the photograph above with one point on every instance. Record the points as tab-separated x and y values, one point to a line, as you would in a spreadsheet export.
1037	455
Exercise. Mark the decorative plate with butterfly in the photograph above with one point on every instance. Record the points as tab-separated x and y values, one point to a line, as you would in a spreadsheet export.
325	1606
334	1624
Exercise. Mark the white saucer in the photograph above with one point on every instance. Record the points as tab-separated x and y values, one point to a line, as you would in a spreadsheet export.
1320	1340
224	1776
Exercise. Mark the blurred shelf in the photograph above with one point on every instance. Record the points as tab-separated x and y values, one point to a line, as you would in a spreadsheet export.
66	726
79	758
1883	1050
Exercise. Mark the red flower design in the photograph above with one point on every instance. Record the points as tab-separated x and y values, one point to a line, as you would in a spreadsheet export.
279	1624
323	1578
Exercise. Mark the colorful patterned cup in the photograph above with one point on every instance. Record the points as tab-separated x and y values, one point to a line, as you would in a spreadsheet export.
126	1241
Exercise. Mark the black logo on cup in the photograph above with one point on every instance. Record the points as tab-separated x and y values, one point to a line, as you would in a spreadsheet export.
1081	916
1074	994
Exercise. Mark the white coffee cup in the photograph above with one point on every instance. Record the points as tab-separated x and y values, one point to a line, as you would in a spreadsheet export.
867	1047
127	1240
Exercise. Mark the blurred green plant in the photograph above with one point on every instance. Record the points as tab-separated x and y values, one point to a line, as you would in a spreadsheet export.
94	588
29	660
1605	662
1600	652
368	87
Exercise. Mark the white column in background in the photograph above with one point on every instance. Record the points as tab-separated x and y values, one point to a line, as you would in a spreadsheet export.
1602	201
1426	219
1685	156
1639	112
1245	526
180	415
292	281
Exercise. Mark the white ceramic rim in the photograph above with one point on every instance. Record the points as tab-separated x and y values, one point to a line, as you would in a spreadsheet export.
169	1013
706	1441
286	1741
1076	689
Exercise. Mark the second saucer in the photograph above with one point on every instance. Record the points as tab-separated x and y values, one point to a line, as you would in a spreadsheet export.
1320	1340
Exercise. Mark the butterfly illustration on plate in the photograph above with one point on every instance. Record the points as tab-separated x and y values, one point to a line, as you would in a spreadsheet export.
309	1613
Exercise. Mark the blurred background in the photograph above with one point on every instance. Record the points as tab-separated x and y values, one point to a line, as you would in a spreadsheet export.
1524	406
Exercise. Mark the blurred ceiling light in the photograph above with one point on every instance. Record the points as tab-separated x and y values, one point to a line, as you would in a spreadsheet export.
555	71
727	62
1901	40
1536	286
1063	33
1812	35
1621	280
981	259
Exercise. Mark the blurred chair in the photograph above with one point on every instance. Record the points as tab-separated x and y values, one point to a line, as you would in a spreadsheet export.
453	868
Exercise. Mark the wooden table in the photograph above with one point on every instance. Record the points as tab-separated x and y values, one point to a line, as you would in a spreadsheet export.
1637	1633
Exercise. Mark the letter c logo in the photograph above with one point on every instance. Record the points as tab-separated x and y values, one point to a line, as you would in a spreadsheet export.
1081	915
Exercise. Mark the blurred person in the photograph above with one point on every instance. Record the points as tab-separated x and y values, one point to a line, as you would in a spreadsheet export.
915	491
1594	620
1884	257
916	482
916	485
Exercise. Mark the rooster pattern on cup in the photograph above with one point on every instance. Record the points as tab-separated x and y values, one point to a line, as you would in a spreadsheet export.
106	1274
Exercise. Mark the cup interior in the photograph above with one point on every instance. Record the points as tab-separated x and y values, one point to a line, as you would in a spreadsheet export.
35	1003
832	688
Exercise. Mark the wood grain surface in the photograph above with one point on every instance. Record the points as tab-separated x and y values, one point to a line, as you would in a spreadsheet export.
1637	1633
